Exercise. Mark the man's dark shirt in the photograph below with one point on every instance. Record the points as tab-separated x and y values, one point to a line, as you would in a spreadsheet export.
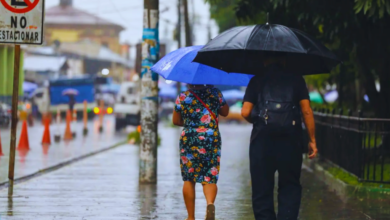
253	89
299	88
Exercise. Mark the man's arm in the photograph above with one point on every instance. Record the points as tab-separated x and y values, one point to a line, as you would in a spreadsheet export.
246	111
308	118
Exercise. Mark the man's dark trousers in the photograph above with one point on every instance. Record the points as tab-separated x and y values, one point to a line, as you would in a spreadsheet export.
269	154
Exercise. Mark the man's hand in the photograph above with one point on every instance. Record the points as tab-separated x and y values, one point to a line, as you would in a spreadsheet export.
246	111
312	150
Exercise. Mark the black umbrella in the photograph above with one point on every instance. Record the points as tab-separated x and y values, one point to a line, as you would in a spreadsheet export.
242	50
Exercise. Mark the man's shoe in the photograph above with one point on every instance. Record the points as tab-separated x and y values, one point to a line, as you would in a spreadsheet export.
210	214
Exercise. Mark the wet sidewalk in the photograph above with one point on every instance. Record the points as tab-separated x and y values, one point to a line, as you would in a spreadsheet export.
105	186
39	157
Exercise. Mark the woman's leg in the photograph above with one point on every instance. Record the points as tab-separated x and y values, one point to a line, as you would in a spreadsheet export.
210	192
189	198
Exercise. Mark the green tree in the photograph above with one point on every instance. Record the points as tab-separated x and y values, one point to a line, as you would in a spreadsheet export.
223	12
357	31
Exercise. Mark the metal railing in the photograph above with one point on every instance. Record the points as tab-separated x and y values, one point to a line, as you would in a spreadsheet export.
358	145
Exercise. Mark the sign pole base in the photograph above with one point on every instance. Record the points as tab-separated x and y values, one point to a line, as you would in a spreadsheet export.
14	122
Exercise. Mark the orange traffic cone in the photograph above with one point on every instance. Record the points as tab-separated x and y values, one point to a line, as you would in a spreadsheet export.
68	133
1	149
46	134
23	142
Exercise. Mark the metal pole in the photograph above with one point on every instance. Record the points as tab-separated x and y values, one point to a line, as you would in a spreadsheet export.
187	24
149	94
179	6
15	96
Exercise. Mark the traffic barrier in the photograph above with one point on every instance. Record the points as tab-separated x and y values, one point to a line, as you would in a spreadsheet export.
74	115
23	141
30	120
46	134
68	133
101	115
85	118
57	137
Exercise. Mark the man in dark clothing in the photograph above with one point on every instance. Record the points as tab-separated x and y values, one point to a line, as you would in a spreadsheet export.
72	102
277	152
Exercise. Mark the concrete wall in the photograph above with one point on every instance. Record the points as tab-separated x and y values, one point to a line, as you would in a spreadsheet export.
6	73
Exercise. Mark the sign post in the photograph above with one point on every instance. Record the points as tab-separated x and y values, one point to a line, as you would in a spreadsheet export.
21	22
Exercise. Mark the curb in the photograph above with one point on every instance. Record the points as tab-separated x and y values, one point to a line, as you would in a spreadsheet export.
343	190
60	165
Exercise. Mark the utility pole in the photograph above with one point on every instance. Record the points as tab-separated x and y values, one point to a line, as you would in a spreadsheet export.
179	6
187	24
149	93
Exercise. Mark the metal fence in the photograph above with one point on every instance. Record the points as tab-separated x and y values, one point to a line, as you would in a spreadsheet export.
358	145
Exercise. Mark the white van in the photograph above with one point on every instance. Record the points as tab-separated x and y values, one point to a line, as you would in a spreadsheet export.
128	105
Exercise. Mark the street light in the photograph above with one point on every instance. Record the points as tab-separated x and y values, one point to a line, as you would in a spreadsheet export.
105	72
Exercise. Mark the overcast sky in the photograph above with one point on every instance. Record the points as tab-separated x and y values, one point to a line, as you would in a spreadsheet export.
129	14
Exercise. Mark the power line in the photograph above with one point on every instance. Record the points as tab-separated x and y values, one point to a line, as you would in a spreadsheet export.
120	14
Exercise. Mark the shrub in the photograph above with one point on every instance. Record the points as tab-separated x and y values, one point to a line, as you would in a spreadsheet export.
136	136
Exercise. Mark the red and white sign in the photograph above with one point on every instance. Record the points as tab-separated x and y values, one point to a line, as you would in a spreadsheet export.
21	21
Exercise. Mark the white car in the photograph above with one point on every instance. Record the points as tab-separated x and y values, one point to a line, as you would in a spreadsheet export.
128	105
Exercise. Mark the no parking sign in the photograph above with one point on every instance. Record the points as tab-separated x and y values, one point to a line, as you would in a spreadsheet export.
21	21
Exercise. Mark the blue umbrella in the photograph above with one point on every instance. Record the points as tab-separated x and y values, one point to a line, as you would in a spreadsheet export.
178	66
29	87
70	92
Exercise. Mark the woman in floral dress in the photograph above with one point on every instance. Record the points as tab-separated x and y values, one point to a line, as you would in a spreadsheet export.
200	143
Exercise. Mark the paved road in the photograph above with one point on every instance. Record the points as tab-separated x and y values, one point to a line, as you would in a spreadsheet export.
38	157
106	187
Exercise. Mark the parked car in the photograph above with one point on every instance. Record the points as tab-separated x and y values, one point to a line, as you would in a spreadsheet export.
127	107
5	115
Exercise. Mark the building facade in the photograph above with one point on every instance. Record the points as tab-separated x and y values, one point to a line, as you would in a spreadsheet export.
65	23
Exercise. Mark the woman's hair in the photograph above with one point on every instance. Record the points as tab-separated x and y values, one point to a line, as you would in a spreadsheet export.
199	86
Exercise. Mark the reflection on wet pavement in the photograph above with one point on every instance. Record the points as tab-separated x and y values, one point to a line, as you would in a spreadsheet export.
106	187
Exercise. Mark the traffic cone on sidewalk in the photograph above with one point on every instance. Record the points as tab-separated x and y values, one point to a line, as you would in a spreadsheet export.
46	133
68	133
23	141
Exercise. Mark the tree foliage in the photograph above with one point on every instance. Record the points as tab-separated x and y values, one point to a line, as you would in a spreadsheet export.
357	31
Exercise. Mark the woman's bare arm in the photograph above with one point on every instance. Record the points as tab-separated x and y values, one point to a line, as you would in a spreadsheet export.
224	111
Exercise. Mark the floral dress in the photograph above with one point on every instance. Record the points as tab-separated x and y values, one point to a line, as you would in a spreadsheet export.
200	141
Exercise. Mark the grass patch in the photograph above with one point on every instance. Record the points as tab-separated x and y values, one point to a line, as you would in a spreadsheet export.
136	136
370	140
352	180
378	172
